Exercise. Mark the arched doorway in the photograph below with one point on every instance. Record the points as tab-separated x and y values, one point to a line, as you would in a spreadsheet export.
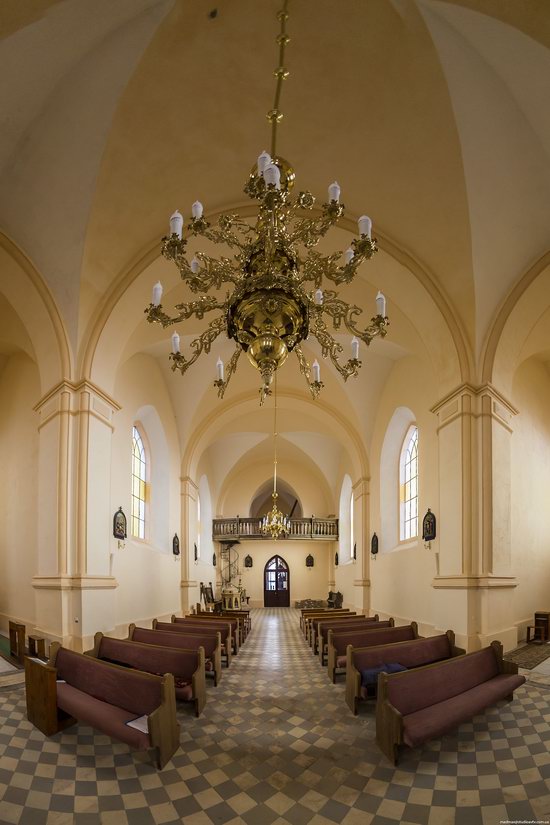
276	583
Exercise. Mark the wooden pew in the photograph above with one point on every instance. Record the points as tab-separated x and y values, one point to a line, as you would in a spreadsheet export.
211	619
192	639
339	641
308	621
186	666
428	702
320	628
412	653
243	612
229	642
72	686
309	613
237	623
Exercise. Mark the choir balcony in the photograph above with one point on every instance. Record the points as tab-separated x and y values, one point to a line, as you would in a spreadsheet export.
318	529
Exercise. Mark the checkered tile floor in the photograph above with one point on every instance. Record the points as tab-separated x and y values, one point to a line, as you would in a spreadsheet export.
276	744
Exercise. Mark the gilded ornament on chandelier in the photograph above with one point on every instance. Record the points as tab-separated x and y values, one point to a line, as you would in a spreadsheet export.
275	274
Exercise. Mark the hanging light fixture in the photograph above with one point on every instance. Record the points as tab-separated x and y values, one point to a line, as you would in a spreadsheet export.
277	299
274	523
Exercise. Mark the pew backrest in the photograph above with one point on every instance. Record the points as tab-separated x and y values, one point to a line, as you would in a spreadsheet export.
320	632
410	654
132	690
186	666
340	639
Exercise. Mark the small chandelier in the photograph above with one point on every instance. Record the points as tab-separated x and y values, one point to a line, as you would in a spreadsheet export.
274	523
276	276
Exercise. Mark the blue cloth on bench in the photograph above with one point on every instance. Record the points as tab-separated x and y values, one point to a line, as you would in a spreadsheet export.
370	675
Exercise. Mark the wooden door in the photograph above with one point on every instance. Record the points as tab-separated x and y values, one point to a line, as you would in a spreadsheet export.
276	583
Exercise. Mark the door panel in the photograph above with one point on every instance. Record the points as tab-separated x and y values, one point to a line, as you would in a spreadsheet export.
276	583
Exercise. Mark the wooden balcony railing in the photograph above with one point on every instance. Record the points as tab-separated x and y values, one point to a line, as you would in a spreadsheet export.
322	529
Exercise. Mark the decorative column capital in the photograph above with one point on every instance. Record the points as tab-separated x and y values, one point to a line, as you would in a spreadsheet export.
73	399
189	488
361	487
475	401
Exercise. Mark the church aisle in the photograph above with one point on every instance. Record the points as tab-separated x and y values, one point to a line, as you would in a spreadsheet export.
276	744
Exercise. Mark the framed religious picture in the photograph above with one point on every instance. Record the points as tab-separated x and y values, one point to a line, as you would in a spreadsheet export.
310	561
176	545
119	524
428	526
248	561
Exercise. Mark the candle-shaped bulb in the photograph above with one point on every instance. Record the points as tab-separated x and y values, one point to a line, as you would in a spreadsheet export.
381	304
176	224
195	266
272	175
348	255
355	348
316	371
318	297
219	369
263	160
365	225
157	294
196	210
175	343
334	192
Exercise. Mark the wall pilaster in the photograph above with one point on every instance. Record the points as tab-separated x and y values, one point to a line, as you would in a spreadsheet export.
474	583
73	584
361	518
189	496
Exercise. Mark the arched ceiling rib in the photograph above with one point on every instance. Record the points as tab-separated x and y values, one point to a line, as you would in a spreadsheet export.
431	114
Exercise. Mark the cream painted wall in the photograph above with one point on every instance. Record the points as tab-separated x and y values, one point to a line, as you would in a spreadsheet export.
148	577
312	490
19	391
305	583
530	517
402	574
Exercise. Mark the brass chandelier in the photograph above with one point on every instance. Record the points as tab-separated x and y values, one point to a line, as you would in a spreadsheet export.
274	523
276	276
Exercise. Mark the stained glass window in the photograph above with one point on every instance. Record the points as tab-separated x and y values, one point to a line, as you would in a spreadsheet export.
409	486
139	475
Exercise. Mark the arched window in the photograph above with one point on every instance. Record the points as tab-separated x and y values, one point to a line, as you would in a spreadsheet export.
408	486
345	521
351	526
199	527
139	478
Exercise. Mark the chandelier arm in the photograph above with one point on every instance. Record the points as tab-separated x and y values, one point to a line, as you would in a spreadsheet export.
309	231
315	267
201	344
223	233
205	303
331	348
313	386
212	274
229	370
342	313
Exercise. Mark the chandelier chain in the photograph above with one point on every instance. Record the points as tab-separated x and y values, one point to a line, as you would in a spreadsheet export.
276	301
275	434
281	73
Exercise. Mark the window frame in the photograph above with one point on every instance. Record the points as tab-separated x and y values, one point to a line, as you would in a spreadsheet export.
146	461
412	433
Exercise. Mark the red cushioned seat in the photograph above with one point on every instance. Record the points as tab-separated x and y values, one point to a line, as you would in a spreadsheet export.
436	720
107	718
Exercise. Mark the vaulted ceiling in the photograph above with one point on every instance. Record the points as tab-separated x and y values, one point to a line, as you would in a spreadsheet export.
432	114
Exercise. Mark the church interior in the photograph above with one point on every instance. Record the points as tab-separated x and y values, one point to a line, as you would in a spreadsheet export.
379	454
